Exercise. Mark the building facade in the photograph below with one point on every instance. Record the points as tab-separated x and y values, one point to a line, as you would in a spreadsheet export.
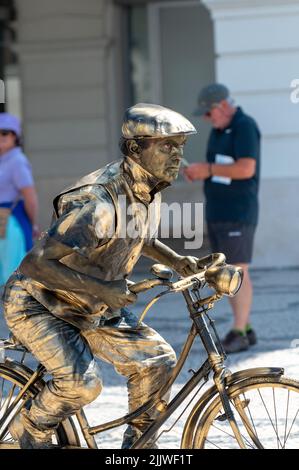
80	64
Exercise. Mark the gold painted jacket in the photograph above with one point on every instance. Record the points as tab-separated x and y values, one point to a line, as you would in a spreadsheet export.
106	218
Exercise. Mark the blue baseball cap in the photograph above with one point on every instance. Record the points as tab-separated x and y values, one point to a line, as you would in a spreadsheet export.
209	96
12	123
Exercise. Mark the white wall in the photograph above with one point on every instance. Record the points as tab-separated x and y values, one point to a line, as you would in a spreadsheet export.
63	49
257	46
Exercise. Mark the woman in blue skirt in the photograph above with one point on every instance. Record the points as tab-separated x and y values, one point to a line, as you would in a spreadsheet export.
18	195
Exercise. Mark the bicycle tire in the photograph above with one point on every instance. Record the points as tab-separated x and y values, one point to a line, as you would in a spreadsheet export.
213	429
10	382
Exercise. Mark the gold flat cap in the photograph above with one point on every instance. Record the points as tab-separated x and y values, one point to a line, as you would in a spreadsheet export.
152	120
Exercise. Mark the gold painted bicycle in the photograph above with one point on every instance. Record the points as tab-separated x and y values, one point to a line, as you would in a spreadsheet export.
253	408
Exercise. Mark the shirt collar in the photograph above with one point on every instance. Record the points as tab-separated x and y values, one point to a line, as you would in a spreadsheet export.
143	184
233	121
235	118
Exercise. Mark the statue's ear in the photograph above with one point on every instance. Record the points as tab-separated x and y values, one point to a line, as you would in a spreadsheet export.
134	148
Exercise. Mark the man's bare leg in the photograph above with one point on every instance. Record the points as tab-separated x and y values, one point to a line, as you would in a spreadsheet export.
241	303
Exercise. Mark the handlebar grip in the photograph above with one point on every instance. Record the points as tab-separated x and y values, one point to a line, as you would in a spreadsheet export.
145	285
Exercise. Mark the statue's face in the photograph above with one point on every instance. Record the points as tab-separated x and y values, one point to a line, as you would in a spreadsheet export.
162	157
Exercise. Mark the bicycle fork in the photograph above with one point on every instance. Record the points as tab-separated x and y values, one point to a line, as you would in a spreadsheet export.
220	374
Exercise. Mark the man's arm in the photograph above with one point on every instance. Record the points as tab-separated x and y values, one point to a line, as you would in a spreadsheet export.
30	202
74	232
243	168
42	265
246	148
183	265
159	252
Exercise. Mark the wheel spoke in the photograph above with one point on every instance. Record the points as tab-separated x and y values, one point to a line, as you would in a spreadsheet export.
232	435
213	444
264	407
286	420
8	399
5	435
269	416
251	419
223	431
292	424
275	413
245	438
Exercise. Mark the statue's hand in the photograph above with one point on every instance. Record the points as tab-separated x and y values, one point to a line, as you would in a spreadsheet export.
186	265
116	294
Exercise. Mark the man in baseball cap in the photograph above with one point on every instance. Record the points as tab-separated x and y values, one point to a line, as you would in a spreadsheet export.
74	281
209	97
231	181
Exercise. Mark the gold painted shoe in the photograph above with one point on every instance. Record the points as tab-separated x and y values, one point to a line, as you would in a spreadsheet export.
19	431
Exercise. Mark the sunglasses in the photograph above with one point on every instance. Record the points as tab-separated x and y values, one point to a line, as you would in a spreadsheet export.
209	113
4	133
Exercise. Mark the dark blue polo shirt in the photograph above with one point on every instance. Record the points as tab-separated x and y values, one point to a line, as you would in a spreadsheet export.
233	200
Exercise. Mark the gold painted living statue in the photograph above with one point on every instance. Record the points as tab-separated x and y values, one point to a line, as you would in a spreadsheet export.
67	301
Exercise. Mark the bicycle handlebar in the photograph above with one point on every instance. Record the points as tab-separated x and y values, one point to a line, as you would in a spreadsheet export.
212	260
147	284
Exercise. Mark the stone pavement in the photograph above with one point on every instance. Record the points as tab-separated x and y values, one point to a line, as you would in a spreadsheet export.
275	317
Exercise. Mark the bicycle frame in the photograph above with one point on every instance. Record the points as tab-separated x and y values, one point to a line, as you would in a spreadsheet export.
157	401
88	431
214	362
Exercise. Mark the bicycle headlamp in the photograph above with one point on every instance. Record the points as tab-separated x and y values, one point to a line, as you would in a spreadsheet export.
225	280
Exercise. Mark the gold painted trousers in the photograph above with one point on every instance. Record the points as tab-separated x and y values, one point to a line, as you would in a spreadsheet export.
140	354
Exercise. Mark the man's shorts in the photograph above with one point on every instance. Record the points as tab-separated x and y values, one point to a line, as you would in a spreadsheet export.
233	239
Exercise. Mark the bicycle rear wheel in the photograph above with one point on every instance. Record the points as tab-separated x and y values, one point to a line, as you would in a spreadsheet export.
267	413
11	383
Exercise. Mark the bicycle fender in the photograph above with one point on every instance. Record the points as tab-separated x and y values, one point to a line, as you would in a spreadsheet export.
200	405
21	369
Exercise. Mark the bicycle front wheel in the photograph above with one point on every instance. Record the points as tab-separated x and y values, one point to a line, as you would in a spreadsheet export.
11	382
266	410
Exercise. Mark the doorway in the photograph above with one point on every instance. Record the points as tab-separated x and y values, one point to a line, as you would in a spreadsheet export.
171	57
